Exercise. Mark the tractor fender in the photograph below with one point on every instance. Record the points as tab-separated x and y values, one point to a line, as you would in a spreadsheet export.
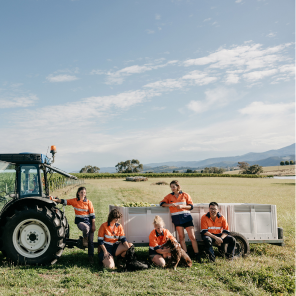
18	203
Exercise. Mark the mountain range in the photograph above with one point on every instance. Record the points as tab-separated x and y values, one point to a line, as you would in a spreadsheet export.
268	158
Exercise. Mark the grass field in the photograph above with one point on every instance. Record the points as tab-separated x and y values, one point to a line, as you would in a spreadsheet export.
269	270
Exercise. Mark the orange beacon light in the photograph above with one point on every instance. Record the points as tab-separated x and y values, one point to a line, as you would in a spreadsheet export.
53	151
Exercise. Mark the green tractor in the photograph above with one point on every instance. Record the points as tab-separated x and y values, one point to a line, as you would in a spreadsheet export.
32	229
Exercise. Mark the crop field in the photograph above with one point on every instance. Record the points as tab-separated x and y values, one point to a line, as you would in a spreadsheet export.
268	270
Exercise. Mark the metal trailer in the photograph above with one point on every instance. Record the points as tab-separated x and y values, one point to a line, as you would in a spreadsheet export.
248	223
32	229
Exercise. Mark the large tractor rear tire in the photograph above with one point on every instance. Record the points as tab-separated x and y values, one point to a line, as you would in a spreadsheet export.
34	235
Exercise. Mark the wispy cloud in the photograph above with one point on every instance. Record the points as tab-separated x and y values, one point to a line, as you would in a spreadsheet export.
207	20
150	31
117	77
262	108
250	62
61	78
157	16
238	1
214	98
271	34
18	102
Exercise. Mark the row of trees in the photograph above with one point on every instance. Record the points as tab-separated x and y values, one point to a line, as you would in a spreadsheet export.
287	162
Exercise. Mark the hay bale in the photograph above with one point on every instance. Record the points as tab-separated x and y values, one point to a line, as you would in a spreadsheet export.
160	183
136	179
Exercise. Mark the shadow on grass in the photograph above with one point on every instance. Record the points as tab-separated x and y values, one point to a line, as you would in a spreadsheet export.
284	184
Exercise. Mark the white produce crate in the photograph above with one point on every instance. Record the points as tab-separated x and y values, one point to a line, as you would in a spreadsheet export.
255	221
138	222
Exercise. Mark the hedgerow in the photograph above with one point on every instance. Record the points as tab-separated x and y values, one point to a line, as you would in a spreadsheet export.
161	175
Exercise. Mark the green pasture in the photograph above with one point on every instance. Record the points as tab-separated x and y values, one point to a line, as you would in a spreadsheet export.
269	270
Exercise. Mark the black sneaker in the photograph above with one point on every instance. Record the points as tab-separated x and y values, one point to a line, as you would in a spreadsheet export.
197	257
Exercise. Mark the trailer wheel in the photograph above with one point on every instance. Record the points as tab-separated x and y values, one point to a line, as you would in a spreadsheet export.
34	235
242	247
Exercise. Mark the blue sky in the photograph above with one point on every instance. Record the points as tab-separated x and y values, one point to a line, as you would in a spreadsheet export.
107	81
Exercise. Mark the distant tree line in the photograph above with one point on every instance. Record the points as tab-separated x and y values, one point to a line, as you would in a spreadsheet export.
287	162
213	170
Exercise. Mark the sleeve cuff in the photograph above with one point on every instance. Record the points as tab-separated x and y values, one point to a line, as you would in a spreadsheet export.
190	206
162	203
64	202
156	248
225	231
123	239
203	231
92	216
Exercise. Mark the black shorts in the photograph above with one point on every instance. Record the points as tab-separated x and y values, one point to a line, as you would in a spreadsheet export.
110	248
185	225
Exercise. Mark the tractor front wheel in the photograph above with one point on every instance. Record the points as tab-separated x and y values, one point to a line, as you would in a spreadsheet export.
34	235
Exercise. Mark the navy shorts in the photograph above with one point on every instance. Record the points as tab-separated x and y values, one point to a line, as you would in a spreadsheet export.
185	225
111	249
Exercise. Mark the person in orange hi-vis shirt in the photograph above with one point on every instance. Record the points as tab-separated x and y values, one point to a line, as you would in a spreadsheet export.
111	239
84	218
180	204
214	228
157	238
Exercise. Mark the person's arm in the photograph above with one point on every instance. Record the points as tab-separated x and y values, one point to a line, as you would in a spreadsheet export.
101	245
219	240
164	203
106	253
57	200
225	227
163	251
189	204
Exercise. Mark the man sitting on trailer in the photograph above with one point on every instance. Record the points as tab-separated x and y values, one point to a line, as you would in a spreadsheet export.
214	228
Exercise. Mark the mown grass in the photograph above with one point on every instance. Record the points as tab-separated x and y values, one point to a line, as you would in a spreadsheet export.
269	270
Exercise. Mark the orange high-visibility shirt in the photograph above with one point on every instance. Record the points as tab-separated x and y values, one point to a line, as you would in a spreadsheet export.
84	210
208	225
110	237
157	240
179	216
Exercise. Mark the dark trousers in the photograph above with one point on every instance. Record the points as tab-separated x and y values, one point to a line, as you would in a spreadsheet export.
86	229
230	240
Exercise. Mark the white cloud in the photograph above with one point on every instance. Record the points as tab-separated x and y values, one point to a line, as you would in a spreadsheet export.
232	78
257	75
238	1
149	31
157	16
271	34
244	59
208	19
215	98
200	78
61	78
18	102
261	108
167	84
117	77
